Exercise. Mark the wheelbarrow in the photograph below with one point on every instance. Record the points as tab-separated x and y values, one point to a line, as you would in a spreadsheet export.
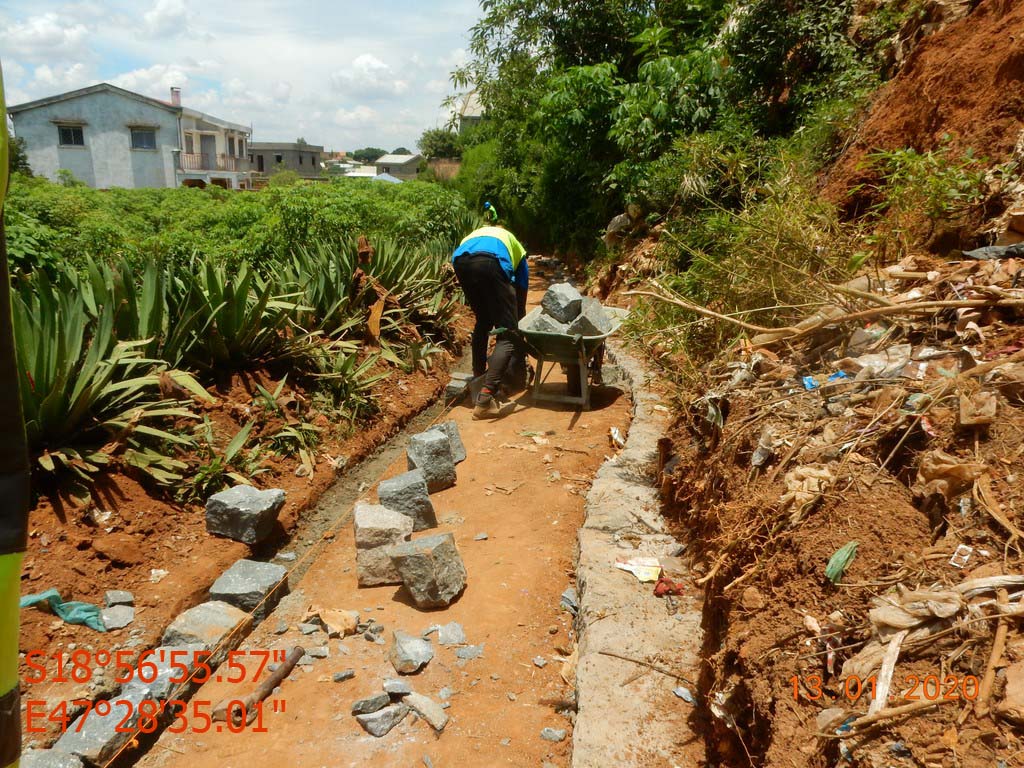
574	352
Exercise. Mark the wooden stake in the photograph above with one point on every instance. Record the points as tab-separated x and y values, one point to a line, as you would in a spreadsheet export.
981	708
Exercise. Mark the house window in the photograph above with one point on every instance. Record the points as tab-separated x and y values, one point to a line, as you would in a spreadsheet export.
278	158
231	146
71	135
300	159
143	138
241	148
190	147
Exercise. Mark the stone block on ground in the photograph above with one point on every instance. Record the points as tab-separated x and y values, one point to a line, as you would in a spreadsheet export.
409	654
377	526
451	634
457	387
379	723
544	324
49	758
407	493
451	429
117	616
246	583
98	738
431	452
562	302
396	687
209	625
375	569
118	597
376	529
244	513
592	320
428	709
431	569
170	661
370	704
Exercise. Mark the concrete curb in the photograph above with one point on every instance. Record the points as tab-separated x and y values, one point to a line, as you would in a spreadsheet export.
641	723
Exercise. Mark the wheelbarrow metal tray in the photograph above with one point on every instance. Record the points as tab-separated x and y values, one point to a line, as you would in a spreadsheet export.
568	350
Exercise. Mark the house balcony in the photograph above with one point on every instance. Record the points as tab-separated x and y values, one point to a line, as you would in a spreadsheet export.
205	161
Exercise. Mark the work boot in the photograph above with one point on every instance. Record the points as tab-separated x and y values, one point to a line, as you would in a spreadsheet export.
486	409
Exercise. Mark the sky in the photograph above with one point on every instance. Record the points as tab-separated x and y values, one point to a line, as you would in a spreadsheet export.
342	74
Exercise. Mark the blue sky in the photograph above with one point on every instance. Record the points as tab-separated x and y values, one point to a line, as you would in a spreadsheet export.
341	74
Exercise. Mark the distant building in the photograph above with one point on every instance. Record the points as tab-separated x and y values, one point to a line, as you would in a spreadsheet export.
214	152
270	157
110	137
362	172
403	167
470	112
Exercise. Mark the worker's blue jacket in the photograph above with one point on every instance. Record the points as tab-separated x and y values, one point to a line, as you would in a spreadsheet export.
502	245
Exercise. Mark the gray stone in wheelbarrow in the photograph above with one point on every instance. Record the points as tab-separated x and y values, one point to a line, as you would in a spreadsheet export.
562	302
407	493
431	569
592	320
431	452
544	324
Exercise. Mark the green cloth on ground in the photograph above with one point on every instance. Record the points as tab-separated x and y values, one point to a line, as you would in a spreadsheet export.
72	611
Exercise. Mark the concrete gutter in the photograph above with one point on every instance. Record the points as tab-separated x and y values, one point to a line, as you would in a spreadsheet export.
641	723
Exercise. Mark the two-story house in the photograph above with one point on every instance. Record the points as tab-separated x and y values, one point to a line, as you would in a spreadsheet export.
110	137
269	157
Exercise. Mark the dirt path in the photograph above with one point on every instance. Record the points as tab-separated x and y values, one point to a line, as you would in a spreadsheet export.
500	701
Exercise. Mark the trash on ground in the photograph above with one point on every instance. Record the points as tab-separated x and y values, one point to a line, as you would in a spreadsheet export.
646	569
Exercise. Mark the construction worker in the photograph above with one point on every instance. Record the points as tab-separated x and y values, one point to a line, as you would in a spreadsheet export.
490	264
15	493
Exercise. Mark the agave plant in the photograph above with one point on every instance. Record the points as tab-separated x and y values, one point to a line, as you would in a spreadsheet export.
80	385
140	307
245	322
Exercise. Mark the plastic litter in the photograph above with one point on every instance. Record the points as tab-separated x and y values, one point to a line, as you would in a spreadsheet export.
70	611
961	556
570	601
646	569
840	561
684	693
809	382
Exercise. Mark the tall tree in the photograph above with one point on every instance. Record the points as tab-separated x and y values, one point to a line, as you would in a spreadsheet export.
440	143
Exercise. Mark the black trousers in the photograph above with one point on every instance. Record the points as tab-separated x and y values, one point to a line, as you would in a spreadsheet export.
494	303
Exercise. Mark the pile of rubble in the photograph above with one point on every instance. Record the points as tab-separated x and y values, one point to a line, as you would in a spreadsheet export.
430	567
852	487
565	311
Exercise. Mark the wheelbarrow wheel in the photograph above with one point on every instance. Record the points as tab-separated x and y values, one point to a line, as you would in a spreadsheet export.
572	376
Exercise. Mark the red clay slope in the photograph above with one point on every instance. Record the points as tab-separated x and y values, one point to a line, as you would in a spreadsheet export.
966	81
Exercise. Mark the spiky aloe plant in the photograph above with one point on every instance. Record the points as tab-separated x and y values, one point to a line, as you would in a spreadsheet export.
80	386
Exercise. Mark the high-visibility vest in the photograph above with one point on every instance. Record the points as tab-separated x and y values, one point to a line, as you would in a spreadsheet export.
14	494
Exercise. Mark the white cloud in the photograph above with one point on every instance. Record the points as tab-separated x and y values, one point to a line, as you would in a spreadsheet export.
454	58
368	75
357	116
43	38
155	81
168	18
287	74
56	79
